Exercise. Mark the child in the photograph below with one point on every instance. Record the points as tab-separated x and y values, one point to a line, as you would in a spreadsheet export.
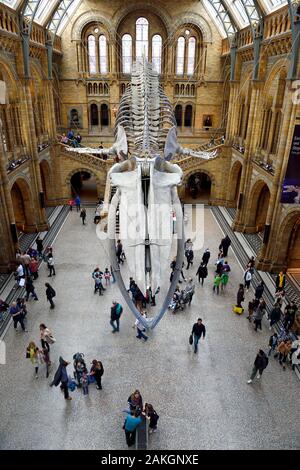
273	342
46	359
217	282
224	280
107	276
85	383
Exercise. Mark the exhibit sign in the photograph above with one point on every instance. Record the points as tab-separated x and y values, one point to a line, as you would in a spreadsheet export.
291	184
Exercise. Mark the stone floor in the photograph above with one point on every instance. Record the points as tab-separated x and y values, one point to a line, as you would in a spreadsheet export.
203	400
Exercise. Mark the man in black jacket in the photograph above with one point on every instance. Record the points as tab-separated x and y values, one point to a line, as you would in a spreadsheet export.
205	257
197	331
61	377
260	363
275	315
259	290
225	244
50	293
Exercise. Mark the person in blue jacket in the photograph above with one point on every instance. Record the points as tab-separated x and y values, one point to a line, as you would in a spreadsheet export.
131	423
61	376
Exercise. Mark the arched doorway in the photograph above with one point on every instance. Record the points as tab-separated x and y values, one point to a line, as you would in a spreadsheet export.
198	187
188	115
178	115
23	206
234	183
46	181
94	116
84	184
259	199
104	115
287	248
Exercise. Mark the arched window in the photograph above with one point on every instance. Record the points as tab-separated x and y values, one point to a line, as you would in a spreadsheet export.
180	56
104	115
156	52
126	53
94	115
178	115
90	88
191	56
188	116
177	89
103	54
95	89
92	54
142	26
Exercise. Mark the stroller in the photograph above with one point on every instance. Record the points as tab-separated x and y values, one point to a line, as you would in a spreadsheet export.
79	367
176	302
186	298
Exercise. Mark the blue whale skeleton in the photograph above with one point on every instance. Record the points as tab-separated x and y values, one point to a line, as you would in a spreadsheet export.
146	187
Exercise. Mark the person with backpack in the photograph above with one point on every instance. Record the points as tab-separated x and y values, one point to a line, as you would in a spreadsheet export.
258	315
50	293
29	287
189	254
205	257
46	337
273	343
260	364
115	314
259	290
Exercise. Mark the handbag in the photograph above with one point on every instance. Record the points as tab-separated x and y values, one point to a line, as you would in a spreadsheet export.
27	355
22	282
191	339
50	339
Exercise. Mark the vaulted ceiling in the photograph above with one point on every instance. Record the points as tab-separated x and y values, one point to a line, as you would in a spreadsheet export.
228	15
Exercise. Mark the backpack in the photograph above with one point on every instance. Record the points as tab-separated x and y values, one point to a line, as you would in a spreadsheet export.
53	293
119	310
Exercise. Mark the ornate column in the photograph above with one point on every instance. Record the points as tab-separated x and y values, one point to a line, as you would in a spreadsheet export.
266	254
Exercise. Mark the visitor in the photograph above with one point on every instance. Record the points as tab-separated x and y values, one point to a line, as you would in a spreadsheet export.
217	282
252	305
71	203
260	364
84	381
275	315
26	261
205	257
202	273
101	145
273	343
219	266
247	278
140	328
78	138
97	371
61	376
36	358
283	349
83	215
289	315
189	254
70	135
39	246
279	297
20	273
225	244
77	203
296	358
198	330
131	423
240	296
97	216
152	416
29	287
226	268
188	245
115	314
259	312
119	250
107	276
259	290
251	263
224	280
47	337
280	282
17	316
21	303
50	293
135	402
51	265
46	359
34	267
112	275
64	139
190	289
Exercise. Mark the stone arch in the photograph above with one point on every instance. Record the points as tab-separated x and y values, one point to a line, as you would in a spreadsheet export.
91	17
157	9
23	205
196	20
46	178
86	170
234	182
286	236
257	207
194	171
